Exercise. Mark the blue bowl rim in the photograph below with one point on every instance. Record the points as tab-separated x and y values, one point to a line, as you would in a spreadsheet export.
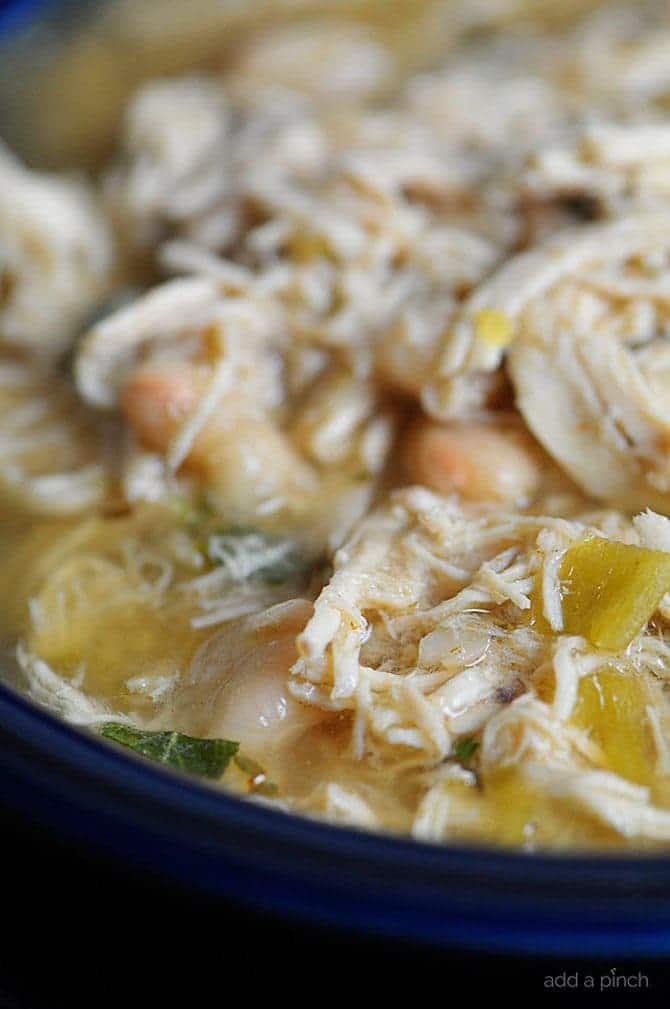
200	837
17	14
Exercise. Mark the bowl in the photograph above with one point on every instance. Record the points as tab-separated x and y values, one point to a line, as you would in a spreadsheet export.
137	815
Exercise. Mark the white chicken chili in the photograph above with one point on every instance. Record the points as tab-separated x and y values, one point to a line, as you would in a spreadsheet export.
335	426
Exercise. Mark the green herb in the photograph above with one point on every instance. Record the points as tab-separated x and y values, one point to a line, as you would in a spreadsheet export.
205	757
243	551
192	514
250	553
465	749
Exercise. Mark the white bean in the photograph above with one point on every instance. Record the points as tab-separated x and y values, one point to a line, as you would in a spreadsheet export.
480	460
237	687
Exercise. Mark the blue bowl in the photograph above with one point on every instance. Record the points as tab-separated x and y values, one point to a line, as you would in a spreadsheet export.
141	816
147	818
15	14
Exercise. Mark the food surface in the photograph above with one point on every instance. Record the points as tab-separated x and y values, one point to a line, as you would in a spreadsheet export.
335	426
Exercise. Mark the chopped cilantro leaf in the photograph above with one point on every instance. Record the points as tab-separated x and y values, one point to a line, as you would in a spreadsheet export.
249	553
465	749
205	757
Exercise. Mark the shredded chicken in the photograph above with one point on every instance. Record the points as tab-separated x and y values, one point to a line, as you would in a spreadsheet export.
588	368
56	257
50	452
424	572
57	694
